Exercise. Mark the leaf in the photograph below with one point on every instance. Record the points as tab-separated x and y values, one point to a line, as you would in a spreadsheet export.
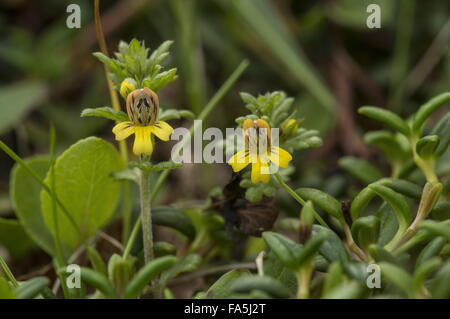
163	249
398	203
386	117
149	167
322	200
174	218
266	284
221	289
406	188
96	260
311	247
390	144
427	109
388	224
332	249
146	274
172	114
25	197
273	267
397	276
107	113
16	100
365	230
442	129
284	248
436	228
360	169
440	283
98	281
84	186
14	238
186	264
32	287
426	146
346	290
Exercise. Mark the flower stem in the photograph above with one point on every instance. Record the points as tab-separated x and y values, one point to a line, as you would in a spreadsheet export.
299	199
146	216
8	273
303	281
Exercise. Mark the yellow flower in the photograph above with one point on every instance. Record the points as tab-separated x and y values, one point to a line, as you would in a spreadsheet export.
259	152
142	109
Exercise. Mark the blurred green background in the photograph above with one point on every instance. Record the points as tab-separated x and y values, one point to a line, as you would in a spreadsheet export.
320	52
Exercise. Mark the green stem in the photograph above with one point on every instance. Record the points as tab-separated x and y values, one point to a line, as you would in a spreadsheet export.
146	216
8	272
299	199
203	115
303	281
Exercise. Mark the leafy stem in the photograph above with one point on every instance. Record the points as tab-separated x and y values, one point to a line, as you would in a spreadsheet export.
297	197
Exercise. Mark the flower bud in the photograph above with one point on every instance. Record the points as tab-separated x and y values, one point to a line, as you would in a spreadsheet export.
289	127
143	106
127	86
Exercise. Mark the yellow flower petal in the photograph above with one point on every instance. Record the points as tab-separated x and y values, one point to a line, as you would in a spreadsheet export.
123	130
162	130
280	157
142	141
239	160
260	172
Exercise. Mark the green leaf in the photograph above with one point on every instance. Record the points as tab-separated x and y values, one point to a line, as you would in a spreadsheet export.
163	249
14	238
388	224
174	218
149	167
360	202
360	169
398	277
32	287
25	197
426	146
186	264
311	247
423	271
284	248
442	129
386	117
266	284
332	249
273	267
380	254
172	114
346	290
107	113
436	228
221	289
84	185
96	260
322	200
365	230
427	109
406	188
390	144
98	281
440	283
398	204
16	100
147	273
